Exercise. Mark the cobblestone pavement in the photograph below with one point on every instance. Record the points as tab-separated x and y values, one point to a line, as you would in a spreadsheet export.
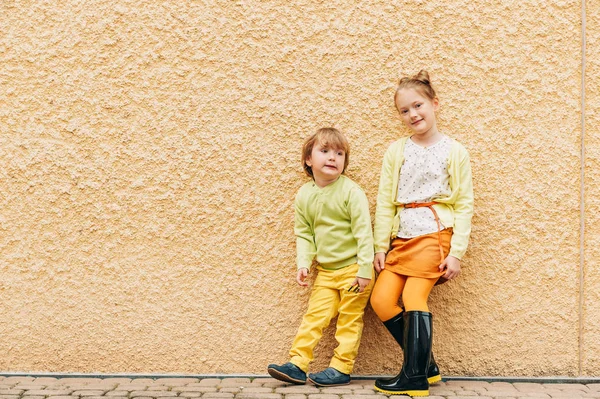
12	387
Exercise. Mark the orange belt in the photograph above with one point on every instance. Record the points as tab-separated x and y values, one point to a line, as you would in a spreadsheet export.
437	219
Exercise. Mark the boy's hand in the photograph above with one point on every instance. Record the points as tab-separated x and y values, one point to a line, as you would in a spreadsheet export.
301	276
379	261
452	267
362	283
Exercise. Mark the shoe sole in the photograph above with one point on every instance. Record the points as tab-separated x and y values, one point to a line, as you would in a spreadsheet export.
328	385
434	379
409	392
284	377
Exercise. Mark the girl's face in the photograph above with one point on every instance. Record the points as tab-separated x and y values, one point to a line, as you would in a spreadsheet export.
417	112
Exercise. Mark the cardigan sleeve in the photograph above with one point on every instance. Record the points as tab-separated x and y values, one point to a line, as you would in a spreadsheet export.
385	210
305	239
463	206
360	224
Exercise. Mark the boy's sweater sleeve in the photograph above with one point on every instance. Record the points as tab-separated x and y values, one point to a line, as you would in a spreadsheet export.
360	223
305	240
385	210
463	208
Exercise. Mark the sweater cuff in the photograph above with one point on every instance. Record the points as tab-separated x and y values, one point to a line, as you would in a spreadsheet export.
457	254
365	271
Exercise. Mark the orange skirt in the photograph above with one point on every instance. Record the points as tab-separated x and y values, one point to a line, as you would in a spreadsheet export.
418	256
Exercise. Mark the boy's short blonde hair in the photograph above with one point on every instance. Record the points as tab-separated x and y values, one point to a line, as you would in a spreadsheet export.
327	137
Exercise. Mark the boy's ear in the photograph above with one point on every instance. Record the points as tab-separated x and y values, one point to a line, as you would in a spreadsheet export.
308	162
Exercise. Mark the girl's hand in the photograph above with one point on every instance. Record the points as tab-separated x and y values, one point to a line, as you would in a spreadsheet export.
452	267
362	283
379	261
301	276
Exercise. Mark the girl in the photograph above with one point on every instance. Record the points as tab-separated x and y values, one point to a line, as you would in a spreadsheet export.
422	228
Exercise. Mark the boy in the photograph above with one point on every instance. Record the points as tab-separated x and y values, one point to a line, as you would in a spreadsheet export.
333	228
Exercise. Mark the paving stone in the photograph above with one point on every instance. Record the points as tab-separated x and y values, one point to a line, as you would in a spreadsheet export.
373	396
175	382
570	387
320	396
467	393
210	382
258	390
117	393
11	391
363	391
231	389
163	388
501	392
233	384
62	397
10	380
251	395
47	392
190	390
86	393
117	380
295	396
273	383
190	394
153	394
305	389
97	387
529	386
469	397
142	381
442	392
337	390
131	387
217	395
502	384
362	383
9	396
79	380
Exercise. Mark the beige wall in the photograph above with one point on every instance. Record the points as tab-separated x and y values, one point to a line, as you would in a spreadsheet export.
149	158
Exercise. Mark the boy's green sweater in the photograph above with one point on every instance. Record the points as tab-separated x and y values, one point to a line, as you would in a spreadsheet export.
333	226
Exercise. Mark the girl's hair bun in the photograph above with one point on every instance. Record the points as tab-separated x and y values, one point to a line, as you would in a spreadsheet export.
420	82
423	77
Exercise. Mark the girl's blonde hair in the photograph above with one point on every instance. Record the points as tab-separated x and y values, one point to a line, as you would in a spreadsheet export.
327	137
419	82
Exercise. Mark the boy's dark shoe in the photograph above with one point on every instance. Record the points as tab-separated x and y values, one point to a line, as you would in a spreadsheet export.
288	372
329	377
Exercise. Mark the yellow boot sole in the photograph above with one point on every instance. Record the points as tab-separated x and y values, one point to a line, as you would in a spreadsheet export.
409	392
434	379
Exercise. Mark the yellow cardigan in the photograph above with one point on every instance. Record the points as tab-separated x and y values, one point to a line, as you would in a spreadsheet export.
454	211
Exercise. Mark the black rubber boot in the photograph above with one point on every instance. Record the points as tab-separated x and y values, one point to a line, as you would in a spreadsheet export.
395	326
416	341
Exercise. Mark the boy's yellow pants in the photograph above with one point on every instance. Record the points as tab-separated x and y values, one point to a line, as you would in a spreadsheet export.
330	297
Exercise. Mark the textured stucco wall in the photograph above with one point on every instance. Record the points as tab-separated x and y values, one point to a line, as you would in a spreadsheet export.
591	271
149	158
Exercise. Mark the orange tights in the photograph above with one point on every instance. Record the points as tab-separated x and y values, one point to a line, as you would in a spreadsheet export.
390	286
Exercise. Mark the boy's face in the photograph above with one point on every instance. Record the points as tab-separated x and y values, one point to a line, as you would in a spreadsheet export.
327	164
